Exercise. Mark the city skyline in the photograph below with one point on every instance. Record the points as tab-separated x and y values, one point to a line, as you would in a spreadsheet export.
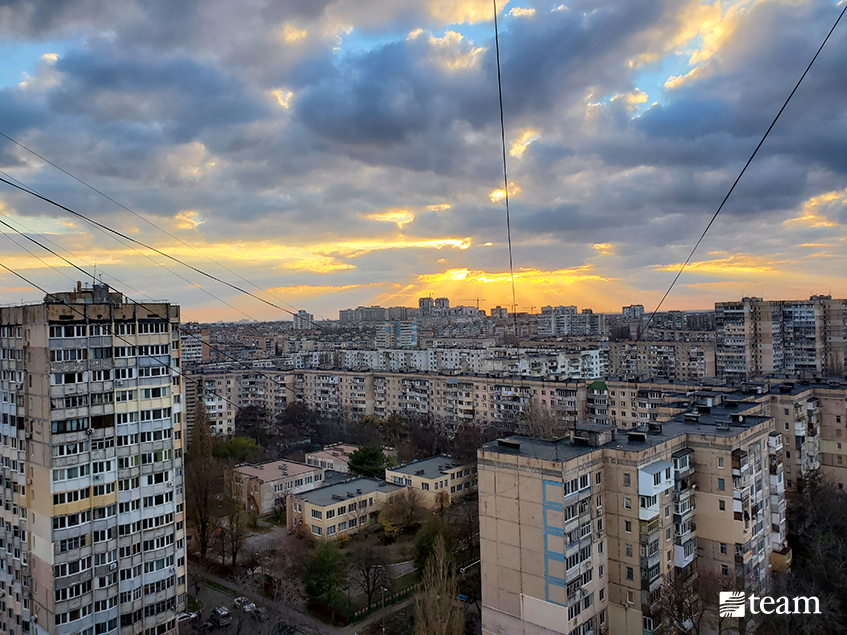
341	155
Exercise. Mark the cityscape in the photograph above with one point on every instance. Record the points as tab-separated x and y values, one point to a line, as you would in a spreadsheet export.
434	318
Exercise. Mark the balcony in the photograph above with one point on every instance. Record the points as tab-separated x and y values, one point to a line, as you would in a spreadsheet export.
781	560
648	527
774	443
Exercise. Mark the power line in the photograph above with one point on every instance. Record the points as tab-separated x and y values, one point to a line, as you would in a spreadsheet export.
182	330
140	217
155	250
743	170
505	172
30	190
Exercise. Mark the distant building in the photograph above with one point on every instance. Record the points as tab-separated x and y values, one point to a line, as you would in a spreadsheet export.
332	457
441	305
304	321
440	478
499	313
264	487
425	306
397	334
757	337
633	312
339	509
194	343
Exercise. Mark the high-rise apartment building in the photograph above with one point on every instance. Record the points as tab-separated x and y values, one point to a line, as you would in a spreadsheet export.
757	337
632	312
397	334
304	321
579	535
92	533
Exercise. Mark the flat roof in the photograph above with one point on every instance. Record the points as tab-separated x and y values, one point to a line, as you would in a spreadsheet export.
339	492
429	468
338	451
561	450
275	470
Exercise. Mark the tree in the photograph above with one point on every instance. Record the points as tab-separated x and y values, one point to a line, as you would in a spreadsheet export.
687	602
465	443
368	461
326	571
818	514
237	450
437	608
539	423
425	542
463	523
370	568
203	479
405	510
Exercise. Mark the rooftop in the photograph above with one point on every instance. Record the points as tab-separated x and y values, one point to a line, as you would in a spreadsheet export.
337	492
338	450
274	470
428	468
718	422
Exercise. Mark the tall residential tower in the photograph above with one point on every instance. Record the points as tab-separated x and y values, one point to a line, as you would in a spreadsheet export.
92	540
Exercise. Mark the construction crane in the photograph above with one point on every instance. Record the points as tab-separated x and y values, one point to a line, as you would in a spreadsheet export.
531	308
478	300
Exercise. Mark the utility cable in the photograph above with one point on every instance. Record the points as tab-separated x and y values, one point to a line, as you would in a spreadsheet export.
141	217
743	170
155	250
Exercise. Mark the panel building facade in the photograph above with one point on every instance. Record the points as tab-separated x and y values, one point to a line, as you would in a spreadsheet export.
93	535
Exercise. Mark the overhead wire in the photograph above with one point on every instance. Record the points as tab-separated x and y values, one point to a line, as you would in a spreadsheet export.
73	307
140	243
142	217
738	178
182	330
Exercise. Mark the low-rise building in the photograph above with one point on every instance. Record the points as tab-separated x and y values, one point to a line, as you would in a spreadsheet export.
341	508
332	457
264	487
439	479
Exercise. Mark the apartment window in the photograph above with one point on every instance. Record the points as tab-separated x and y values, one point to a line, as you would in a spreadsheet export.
720	462
627	480
598	478
630	574
723	548
722	505
668	533
629	550
724	570
628	526
657	478
627	502
316	530
601	571
721	484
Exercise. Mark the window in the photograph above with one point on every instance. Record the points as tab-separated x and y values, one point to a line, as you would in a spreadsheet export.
724	570
721	484
627	480
628	526
723	548
630	574
722	505
601	571
627	502
657	478
598	478
720	462
317	514
629	550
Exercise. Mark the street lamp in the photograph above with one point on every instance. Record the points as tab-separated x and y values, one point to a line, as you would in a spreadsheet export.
383	610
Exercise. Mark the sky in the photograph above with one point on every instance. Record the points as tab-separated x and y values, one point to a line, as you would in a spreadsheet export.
332	153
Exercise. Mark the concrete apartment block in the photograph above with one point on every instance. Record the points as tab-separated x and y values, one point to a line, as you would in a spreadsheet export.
578	535
263	488
440	479
92	448
339	509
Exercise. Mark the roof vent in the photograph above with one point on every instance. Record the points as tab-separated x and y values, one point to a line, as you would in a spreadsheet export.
509	443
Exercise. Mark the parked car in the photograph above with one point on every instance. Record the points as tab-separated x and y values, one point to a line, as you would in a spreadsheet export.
221	616
188	617
245	604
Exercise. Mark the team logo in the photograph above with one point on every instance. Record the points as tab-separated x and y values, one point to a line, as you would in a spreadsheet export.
732	603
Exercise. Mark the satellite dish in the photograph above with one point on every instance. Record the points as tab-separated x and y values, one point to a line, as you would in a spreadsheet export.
740	418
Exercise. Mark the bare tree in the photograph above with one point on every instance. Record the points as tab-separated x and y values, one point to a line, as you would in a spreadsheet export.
463	522
687	603
404	511
203	476
437	609
539	423
370	569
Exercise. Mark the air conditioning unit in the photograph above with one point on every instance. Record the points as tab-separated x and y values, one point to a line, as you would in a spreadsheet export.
90	431
119	382
98	477
170	484
29	481
113	566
